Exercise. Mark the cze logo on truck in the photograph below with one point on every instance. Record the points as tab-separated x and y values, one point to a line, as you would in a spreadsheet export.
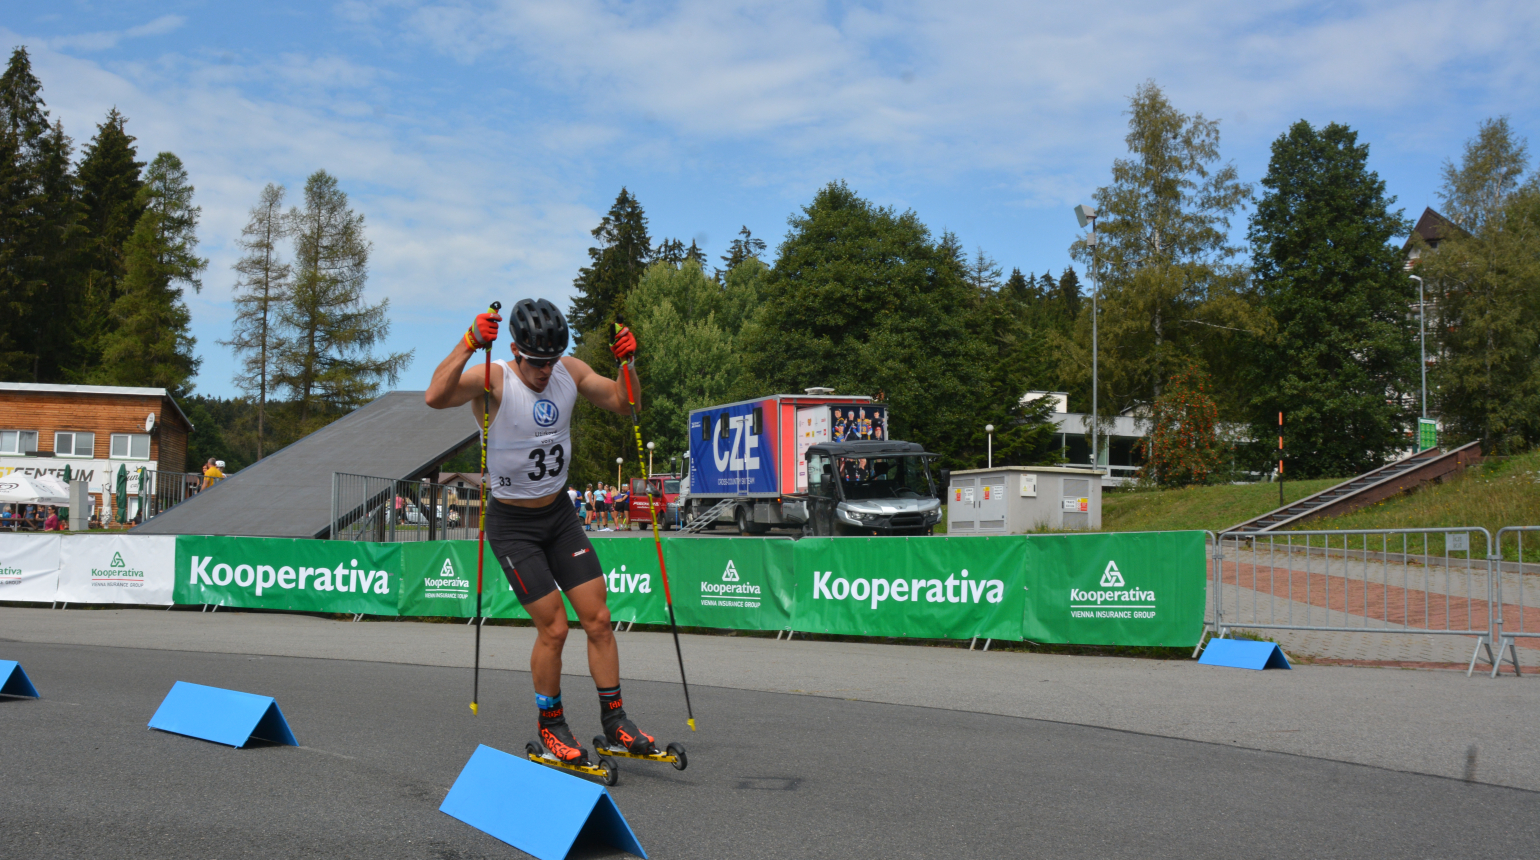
730	451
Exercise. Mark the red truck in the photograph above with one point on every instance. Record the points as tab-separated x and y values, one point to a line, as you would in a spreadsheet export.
665	495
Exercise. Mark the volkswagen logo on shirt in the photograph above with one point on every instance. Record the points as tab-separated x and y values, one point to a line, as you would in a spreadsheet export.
546	413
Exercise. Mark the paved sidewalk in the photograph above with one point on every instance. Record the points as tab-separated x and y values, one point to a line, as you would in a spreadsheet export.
1411	720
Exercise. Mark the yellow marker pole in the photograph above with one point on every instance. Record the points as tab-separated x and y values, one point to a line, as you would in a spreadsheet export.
481	531
652	508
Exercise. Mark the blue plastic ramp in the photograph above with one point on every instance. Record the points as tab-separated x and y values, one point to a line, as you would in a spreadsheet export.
222	716
1243	654
495	792
14	681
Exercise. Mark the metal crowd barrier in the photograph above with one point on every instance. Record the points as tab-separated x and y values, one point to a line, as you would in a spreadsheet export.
1515	600
1422	581
386	510
162	491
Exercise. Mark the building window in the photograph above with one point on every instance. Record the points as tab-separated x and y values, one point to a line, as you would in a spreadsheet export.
18	441
130	446
74	444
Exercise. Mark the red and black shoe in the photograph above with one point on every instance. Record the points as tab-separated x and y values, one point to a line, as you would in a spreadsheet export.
559	742
623	733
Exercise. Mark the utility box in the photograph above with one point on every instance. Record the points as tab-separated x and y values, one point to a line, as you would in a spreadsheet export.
1013	500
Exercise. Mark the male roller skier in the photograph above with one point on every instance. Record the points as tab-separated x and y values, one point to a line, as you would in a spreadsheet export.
530	527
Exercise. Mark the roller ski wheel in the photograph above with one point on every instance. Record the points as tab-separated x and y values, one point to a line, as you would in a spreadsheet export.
604	770
674	755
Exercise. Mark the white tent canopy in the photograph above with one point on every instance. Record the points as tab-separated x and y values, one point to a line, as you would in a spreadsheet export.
17	488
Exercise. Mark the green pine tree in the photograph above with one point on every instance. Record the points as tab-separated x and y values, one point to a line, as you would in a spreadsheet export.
691	326
110	182
261	290
740	249
983	273
39	232
1343	351
1166	272
864	300
149	343
1021	288
1483	282
1065	295
615	267
325	359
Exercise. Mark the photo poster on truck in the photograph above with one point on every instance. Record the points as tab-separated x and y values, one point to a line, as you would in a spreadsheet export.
732	449
853	422
812	429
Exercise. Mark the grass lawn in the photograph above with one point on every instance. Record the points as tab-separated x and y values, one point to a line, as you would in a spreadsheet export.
1503	491
1213	508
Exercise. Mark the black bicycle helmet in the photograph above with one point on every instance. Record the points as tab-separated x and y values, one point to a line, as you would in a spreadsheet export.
539	329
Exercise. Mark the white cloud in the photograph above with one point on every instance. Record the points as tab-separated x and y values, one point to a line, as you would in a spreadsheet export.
101	41
1002	84
473	134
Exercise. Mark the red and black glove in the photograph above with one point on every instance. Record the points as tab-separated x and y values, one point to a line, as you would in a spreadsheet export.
482	332
622	343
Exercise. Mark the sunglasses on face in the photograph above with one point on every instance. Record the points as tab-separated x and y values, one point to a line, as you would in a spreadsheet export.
539	363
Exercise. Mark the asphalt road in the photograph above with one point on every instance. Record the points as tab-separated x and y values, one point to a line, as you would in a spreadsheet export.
771	775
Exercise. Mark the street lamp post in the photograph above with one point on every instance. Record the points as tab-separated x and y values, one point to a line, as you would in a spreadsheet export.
650	446
990	430
1087	215
618	461
1422	339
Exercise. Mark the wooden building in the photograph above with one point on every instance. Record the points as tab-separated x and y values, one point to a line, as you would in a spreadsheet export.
93	429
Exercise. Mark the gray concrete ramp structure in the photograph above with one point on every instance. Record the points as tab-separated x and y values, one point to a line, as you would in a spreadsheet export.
289	492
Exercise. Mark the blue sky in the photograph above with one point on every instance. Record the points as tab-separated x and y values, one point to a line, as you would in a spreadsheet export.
483	140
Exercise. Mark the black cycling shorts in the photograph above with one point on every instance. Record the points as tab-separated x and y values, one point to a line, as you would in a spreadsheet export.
541	549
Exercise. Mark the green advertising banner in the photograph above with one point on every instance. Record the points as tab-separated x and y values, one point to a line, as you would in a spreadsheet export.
630	566
439	578
731	583
282	573
1093	589
1116	589
930	587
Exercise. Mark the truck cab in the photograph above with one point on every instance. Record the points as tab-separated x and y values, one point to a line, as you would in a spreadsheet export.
665	494
872	487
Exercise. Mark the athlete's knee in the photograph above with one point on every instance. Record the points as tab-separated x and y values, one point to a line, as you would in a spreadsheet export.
552	632
598	626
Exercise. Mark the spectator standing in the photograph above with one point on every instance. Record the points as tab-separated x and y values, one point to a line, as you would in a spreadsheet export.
588	508
211	473
52	523
623	508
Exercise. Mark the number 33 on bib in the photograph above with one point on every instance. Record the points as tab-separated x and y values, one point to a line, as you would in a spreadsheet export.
531	437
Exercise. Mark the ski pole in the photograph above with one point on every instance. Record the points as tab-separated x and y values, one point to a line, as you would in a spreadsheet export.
481	531
657	540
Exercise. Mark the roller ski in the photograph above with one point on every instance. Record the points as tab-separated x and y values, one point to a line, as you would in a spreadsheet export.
622	739
559	749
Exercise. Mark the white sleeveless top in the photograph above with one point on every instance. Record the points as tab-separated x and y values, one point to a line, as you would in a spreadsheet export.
530	442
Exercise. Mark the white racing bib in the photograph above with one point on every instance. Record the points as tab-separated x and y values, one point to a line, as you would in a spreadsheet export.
530	443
